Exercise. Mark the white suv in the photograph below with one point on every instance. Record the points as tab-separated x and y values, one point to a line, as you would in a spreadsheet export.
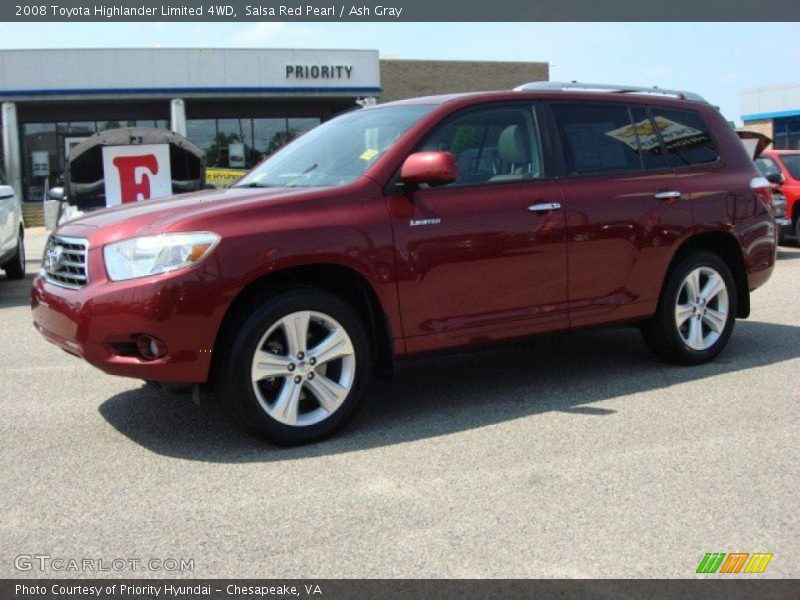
12	232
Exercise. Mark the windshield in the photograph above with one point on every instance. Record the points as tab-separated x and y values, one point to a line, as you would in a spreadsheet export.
338	151
792	162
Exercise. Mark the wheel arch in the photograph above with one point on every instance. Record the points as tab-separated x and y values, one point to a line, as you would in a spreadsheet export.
724	245
342	281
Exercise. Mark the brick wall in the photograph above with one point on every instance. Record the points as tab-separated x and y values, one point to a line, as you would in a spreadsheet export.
409	78
760	126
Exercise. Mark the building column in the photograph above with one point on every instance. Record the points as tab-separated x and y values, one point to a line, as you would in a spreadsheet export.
177	116
11	152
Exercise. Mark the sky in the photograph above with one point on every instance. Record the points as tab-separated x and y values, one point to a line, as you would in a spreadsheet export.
717	60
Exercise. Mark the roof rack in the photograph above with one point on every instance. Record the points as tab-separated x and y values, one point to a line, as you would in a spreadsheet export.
559	86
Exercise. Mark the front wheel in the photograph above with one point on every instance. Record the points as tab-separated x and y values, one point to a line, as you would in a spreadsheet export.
696	312
15	268
296	368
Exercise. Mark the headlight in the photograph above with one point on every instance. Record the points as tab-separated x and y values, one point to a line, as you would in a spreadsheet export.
151	255
778	205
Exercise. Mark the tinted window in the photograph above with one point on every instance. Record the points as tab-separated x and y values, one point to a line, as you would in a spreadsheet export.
2	177
649	143
767	166
491	144
597	138
792	162
685	136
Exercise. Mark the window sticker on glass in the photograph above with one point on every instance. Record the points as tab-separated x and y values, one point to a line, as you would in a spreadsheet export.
640	134
675	134
368	154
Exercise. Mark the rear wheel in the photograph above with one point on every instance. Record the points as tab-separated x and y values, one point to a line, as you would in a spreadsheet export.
696	313
15	268
296	368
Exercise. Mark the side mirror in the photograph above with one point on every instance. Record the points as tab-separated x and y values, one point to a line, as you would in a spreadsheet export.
776	178
56	193
429	167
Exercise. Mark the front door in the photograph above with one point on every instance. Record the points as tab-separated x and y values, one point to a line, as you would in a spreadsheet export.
483	258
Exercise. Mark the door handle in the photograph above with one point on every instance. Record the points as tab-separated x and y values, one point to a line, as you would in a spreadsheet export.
667	195
544	207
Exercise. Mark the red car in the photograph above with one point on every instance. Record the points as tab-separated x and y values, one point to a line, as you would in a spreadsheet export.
782	167
419	226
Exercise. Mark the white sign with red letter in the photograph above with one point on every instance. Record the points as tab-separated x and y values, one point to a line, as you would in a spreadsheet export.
134	173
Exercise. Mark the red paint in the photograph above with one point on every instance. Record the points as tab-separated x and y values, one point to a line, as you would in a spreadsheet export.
429	167
790	188
449	266
127	166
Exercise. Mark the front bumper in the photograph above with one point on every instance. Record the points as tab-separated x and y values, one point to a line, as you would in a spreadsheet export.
101	321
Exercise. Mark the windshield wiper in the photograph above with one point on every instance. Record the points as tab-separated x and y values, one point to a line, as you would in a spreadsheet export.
303	174
253	184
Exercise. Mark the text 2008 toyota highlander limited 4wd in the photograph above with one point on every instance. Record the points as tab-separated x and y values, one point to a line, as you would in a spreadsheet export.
415	226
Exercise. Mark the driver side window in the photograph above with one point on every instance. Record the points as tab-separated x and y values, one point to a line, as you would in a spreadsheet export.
491	145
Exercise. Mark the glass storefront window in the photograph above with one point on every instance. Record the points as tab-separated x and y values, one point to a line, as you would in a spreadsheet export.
787	133
300	126
203	132
83	128
268	136
39	158
234	143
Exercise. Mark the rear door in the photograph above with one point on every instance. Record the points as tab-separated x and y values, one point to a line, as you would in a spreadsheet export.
623	211
480	259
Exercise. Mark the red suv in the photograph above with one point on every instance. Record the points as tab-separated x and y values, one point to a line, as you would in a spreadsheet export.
782	168
417	226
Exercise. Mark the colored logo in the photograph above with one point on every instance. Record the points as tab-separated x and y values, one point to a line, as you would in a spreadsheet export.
734	562
53	257
131	166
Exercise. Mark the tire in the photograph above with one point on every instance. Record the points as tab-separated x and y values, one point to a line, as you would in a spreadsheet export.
15	268
701	330
264	397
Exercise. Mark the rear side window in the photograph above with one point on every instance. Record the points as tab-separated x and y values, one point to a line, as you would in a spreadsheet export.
597	138
686	138
646	132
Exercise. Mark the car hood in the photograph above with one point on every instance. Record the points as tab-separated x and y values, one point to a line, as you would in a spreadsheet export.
172	213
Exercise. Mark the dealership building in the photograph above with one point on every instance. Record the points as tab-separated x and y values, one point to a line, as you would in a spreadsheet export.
774	111
253	100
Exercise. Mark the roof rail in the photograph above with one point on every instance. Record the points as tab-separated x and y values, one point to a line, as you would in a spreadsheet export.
559	86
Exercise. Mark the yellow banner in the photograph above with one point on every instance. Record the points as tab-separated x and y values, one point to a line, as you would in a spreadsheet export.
223	178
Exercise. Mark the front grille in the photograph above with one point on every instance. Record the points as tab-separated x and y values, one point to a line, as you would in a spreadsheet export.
65	261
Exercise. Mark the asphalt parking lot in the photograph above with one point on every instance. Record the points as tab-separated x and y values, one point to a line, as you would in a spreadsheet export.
570	456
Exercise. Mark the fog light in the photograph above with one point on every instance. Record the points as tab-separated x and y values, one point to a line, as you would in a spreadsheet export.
150	347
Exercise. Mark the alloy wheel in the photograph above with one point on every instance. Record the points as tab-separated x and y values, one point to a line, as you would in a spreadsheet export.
702	308
303	368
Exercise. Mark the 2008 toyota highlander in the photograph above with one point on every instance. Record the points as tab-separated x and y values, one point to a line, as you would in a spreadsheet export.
415	226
